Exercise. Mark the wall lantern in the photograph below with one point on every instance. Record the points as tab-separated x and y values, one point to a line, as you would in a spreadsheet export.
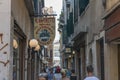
15	44
70	56
33	43
37	48
73	52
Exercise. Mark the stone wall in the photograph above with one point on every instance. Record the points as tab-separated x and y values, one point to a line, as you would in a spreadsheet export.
21	15
11	10
5	17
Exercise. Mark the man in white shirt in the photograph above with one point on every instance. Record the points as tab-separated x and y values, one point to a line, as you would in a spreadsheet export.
90	74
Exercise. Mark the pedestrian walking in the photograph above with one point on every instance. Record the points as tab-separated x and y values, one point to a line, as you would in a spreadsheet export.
73	75
44	73
68	73
90	74
64	77
50	74
54	69
57	75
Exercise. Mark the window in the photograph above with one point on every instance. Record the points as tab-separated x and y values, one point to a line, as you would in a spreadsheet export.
75	10
16	59
19	54
15	65
82	5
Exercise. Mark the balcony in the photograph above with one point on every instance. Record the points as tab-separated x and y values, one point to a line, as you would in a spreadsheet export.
79	31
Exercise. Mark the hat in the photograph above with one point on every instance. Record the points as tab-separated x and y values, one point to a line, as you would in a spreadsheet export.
63	71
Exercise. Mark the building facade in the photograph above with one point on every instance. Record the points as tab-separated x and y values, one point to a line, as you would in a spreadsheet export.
16	20
66	30
56	54
87	40
89	37
112	36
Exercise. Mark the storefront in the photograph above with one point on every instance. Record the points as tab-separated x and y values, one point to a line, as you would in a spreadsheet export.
19	53
100	58
80	56
112	38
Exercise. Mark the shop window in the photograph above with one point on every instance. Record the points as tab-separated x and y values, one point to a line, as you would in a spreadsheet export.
18	53
14	65
16	62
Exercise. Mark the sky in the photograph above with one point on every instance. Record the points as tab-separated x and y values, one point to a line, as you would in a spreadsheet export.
57	7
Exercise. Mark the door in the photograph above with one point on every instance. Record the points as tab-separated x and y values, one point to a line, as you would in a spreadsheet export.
19	54
102	58
79	63
119	62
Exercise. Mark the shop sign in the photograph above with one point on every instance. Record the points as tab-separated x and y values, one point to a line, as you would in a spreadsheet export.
44	30
68	50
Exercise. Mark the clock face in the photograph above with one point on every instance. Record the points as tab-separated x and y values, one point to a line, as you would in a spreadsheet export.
44	35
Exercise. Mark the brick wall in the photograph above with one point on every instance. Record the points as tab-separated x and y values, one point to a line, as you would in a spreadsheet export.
112	19
112	26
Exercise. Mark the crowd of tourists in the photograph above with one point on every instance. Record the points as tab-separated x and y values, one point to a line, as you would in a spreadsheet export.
56	73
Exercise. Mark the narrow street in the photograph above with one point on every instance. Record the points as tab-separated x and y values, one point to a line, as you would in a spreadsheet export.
59	39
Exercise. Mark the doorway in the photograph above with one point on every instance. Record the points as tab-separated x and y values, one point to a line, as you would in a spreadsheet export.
119	62
83	62
100	58
19	59
79	63
19	54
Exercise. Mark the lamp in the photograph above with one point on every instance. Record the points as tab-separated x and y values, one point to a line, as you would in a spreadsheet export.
73	52
70	56
33	43
15	44
37	48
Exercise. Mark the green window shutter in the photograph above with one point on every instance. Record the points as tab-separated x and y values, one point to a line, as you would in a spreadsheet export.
82	5
71	23
70	27
64	35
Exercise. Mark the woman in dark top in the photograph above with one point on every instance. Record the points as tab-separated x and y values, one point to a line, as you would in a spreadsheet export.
73	75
